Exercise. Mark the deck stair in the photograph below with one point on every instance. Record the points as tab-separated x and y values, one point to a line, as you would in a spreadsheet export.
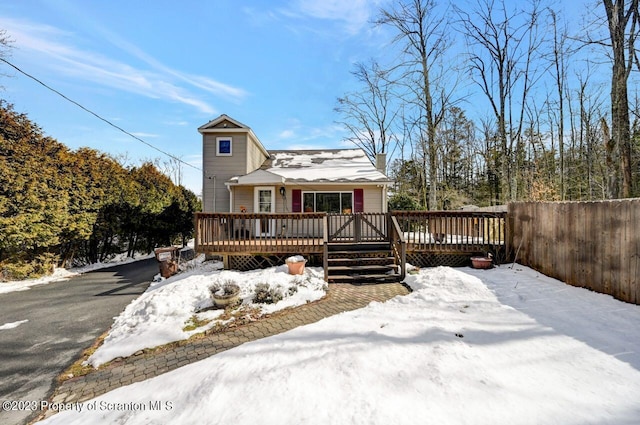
361	263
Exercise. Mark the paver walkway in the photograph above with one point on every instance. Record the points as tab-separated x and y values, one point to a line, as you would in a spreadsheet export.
340	298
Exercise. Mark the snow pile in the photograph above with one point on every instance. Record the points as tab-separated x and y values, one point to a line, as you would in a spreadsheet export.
61	274
160	315
449	353
23	285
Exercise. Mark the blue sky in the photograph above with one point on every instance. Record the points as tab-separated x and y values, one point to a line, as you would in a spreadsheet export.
161	69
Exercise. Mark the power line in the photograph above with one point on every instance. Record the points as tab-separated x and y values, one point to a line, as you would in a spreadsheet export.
98	116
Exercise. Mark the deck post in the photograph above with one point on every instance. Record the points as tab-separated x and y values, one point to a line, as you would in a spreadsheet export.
197	236
325	247
357	227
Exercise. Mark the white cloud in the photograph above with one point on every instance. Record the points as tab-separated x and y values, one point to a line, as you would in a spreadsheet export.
259	16
287	134
145	135
48	44
303	137
205	83
332	132
182	123
352	15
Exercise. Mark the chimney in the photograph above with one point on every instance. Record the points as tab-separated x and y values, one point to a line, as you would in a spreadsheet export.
381	162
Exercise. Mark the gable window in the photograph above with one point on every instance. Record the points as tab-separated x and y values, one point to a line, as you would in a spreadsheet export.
330	202
224	146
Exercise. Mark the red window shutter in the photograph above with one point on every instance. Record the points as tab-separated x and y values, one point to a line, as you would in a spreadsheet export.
358	200
296	200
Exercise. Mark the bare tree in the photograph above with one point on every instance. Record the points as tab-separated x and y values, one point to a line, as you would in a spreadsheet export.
172	167
491	159
559	60
368	113
5	45
502	45
623	19
422	34
455	146
590	178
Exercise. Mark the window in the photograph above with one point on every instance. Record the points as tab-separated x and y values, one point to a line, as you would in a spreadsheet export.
224	146
331	202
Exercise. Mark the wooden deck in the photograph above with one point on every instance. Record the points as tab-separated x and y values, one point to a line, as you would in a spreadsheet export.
406	233
452	231
222	233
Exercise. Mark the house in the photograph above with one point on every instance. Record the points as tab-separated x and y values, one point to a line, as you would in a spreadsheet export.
261	206
240	175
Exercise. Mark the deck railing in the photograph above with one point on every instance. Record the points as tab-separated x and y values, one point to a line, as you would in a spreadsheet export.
408	231
358	227
452	231
398	245
259	233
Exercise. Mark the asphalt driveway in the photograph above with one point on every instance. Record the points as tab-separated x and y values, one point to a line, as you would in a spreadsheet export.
62	319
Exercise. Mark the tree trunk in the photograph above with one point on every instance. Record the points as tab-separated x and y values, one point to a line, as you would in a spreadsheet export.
612	186
618	17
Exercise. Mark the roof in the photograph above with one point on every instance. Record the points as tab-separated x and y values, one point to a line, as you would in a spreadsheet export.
224	124
323	166
257	177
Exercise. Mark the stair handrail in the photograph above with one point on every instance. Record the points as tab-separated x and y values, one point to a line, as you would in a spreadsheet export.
398	241
325	247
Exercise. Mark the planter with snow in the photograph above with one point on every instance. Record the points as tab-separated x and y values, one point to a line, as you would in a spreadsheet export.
296	264
225	295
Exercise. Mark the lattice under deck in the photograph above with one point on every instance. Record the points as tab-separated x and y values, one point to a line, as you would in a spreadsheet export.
253	262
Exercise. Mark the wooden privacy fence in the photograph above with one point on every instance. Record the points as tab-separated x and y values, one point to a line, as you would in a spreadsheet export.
594	245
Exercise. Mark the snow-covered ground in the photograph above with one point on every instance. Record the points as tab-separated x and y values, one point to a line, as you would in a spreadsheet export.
160	315
501	346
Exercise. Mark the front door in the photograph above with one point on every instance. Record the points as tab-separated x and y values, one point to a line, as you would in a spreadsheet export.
265	202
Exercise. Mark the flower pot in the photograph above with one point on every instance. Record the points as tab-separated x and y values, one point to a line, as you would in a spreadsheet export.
296	264
168	268
481	262
228	294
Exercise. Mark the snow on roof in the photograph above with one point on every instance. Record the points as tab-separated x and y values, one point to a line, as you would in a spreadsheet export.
329	165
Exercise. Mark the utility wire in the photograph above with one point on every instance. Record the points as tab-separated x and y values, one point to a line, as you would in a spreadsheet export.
98	116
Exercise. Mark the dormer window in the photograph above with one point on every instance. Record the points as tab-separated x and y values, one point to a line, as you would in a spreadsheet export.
224	146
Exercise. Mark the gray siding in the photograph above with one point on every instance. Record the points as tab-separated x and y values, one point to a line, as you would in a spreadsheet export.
255	157
219	169
245	196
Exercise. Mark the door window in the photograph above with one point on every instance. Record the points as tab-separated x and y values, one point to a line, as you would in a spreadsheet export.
264	200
